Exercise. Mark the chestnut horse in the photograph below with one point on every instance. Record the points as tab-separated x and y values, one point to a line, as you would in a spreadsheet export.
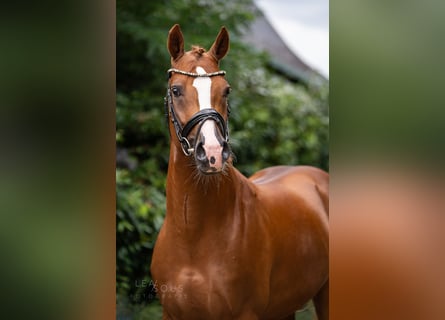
232	247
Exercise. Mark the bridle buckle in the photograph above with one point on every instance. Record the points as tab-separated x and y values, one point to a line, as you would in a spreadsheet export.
185	146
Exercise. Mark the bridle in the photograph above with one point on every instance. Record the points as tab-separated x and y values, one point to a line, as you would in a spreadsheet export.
201	116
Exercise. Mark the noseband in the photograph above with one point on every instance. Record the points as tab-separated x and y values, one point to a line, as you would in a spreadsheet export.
201	116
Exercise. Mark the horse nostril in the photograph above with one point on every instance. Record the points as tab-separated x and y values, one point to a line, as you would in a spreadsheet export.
225	151
200	152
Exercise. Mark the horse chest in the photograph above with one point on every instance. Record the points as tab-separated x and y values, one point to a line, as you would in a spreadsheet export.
201	292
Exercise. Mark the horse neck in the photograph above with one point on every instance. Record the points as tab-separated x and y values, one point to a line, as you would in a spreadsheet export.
198	203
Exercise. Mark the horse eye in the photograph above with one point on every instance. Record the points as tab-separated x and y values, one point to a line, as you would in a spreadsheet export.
176	91
227	92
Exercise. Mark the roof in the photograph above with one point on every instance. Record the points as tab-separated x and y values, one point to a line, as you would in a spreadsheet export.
263	36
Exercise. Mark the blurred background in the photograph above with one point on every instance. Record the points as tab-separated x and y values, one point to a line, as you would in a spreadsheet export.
304	27
279	115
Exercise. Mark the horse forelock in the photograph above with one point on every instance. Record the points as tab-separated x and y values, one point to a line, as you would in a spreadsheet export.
197	57
198	51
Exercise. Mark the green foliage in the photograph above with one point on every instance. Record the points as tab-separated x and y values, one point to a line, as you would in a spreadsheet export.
273	121
140	211
278	122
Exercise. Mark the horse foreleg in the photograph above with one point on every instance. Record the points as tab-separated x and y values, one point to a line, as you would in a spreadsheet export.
321	302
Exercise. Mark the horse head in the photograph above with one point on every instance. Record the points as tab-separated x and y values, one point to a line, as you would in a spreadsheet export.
197	101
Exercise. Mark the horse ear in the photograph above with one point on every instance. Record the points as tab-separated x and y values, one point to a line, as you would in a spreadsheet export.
175	42
221	45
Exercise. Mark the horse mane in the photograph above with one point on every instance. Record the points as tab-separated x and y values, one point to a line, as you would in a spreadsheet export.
198	51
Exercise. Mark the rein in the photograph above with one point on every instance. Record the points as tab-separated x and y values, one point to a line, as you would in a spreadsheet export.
201	116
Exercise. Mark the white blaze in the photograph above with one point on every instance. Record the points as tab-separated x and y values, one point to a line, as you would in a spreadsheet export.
203	87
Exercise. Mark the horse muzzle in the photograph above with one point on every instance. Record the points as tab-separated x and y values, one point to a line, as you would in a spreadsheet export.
211	149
